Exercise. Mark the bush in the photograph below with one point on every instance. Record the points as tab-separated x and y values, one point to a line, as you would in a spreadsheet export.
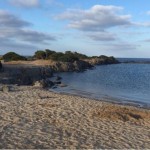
12	56
49	53
40	54
56	56
67	57
80	56
103	57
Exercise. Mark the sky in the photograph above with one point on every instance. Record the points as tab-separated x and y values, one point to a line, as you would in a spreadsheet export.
119	28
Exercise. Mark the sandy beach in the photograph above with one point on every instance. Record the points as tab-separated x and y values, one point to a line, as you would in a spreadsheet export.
32	117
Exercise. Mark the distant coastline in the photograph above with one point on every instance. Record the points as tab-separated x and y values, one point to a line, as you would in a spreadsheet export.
134	60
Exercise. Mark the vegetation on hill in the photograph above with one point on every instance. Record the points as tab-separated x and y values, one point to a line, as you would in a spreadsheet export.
68	56
107	59
40	54
12	56
64	57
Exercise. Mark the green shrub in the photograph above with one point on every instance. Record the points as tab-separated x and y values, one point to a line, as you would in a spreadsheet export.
80	56
40	54
12	56
56	56
49	53
103	57
67	57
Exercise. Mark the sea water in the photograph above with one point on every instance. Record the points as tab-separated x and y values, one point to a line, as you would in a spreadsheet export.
125	82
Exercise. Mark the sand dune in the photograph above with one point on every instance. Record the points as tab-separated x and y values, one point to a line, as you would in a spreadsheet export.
35	118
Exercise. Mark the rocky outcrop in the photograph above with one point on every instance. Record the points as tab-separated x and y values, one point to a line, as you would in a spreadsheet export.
1	67
81	65
44	83
24	75
102	60
70	66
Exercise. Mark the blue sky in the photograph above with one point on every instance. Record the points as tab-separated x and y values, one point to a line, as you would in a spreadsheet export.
119	28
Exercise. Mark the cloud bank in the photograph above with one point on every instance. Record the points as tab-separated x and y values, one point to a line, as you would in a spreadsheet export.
97	18
25	3
16	32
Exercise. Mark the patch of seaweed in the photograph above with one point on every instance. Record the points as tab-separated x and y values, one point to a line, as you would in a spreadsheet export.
124	114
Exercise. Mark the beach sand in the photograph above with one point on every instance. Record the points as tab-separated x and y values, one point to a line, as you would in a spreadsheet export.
36	118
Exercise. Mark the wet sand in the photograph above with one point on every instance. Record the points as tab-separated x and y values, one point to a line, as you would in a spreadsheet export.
35	118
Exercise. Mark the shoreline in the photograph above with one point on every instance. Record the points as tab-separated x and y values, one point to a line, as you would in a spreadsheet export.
109	99
33	117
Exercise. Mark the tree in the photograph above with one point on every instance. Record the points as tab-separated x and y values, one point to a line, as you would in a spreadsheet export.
49	53
56	56
12	56
40	54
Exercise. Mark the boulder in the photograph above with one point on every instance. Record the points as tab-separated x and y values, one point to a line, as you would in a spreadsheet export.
57	82
5	89
58	78
44	83
37	84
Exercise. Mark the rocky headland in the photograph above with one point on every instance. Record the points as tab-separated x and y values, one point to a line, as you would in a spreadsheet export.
102	60
23	72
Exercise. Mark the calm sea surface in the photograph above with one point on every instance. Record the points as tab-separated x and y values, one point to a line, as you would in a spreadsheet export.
129	83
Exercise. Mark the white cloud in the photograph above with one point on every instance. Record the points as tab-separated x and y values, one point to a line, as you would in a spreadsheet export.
53	3
25	3
102	36
146	40
123	46
97	18
148	12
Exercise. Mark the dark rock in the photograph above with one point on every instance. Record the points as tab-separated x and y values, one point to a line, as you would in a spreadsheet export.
81	65
44	83
58	78
57	82
50	83
102	60
1	67
71	66
46	72
54	87
24	75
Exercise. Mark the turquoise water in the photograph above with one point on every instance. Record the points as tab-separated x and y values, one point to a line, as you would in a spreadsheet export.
120	82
